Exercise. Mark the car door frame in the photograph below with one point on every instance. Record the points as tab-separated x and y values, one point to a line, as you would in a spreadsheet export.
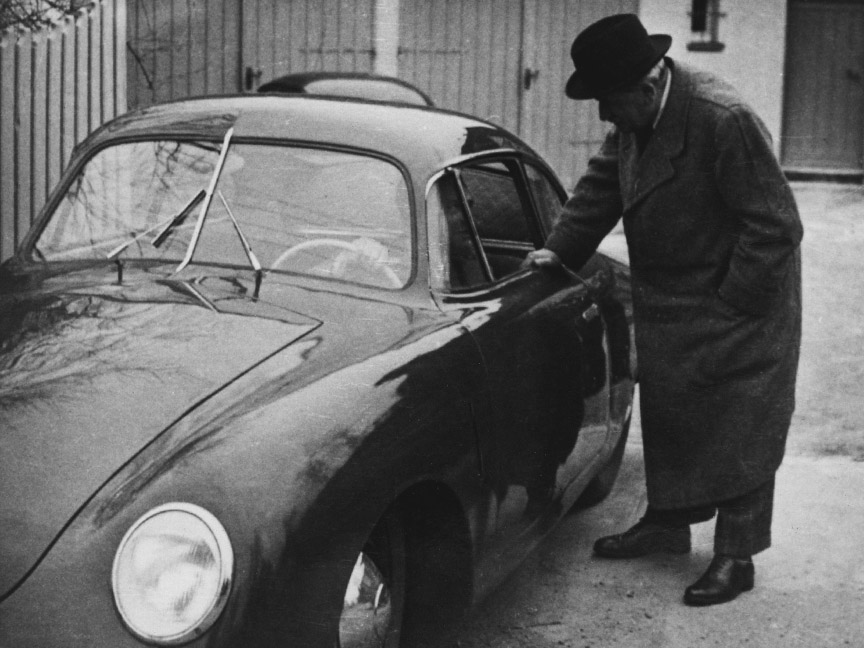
475	307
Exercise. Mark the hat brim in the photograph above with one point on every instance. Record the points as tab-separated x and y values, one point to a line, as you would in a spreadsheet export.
577	88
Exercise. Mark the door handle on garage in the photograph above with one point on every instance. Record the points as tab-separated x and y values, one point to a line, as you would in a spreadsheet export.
251	77
529	76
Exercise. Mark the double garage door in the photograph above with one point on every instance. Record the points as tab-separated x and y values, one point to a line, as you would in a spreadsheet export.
503	60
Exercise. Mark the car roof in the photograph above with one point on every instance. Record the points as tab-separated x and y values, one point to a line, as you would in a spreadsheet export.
422	138
360	85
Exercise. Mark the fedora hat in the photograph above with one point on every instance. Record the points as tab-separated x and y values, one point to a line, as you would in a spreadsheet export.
612	53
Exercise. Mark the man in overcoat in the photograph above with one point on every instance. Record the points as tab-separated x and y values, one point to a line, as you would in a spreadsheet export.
713	235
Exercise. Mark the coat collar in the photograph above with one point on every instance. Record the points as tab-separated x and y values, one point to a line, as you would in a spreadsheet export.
641	175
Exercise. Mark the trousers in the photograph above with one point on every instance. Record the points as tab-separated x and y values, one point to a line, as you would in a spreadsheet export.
743	525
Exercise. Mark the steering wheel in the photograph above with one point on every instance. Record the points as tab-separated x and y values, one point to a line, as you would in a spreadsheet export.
392	277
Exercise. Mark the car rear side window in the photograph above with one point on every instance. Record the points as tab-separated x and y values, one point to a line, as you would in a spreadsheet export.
486	224
494	203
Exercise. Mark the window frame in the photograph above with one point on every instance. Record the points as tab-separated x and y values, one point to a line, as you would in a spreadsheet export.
515	163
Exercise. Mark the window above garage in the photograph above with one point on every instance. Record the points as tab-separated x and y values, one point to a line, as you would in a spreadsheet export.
705	18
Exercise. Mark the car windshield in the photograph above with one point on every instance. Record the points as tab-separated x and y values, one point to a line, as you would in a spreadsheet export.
302	210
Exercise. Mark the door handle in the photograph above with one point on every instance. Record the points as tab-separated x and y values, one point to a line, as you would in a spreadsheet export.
251	76
529	76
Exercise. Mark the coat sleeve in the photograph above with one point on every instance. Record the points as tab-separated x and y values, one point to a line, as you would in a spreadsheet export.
592	210
755	190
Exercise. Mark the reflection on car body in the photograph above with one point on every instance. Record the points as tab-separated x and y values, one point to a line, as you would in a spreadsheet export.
320	404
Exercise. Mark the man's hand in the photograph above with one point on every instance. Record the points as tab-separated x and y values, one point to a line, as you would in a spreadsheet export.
541	258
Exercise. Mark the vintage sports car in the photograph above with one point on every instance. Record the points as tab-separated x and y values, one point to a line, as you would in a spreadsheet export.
271	375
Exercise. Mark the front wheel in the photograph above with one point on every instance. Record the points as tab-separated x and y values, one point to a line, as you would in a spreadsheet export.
374	602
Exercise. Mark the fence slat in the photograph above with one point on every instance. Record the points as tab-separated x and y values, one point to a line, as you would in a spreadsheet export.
54	108
119	55
7	150
23	121
82	77
94	70
106	59
39	125
67	117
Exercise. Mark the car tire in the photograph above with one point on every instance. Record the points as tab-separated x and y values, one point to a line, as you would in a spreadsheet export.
601	485
374	605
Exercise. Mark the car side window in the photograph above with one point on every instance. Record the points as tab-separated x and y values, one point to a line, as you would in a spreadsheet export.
494	203
547	197
481	224
500	209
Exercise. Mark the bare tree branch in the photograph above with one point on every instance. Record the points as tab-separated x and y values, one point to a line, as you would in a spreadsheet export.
32	15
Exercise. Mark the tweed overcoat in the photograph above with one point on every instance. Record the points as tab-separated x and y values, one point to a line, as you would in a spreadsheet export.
713	235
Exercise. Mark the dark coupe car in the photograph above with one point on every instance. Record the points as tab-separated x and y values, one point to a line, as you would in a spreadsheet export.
271	375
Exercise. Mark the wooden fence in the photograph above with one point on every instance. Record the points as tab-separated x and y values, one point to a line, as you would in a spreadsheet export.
56	86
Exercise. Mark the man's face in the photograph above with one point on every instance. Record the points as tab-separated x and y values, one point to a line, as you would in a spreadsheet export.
630	109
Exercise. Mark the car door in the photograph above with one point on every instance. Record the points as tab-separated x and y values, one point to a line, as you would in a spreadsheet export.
539	332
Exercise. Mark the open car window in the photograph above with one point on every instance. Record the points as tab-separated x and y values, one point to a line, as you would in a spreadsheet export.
307	211
482	224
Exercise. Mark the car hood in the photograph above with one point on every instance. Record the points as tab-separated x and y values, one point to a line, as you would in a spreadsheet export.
89	377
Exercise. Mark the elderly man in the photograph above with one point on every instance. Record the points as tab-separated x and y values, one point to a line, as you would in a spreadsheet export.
713	235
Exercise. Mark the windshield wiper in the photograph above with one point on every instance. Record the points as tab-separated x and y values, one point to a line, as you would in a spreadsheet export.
168	226
178	219
199	224
253	260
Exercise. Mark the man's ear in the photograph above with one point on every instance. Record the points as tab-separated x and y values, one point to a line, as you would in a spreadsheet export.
648	91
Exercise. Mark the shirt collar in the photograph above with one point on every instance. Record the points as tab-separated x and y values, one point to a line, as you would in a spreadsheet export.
664	98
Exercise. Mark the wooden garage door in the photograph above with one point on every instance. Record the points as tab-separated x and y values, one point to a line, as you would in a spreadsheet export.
508	61
283	36
824	95
182	48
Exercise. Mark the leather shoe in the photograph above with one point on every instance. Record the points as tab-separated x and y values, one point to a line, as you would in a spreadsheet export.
724	580
644	538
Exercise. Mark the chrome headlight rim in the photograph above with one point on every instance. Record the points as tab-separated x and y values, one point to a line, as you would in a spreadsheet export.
226	572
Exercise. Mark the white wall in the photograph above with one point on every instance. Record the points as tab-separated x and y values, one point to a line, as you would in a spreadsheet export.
753	60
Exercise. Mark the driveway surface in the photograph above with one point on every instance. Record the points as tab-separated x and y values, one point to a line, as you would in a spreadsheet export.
810	585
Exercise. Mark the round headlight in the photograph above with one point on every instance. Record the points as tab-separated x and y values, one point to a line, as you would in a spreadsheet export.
172	573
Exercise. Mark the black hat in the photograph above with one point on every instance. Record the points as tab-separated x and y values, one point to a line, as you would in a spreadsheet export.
612	53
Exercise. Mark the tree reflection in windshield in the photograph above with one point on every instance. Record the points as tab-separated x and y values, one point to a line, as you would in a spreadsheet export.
122	192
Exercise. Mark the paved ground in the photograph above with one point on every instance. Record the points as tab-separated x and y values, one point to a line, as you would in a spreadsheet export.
810	584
